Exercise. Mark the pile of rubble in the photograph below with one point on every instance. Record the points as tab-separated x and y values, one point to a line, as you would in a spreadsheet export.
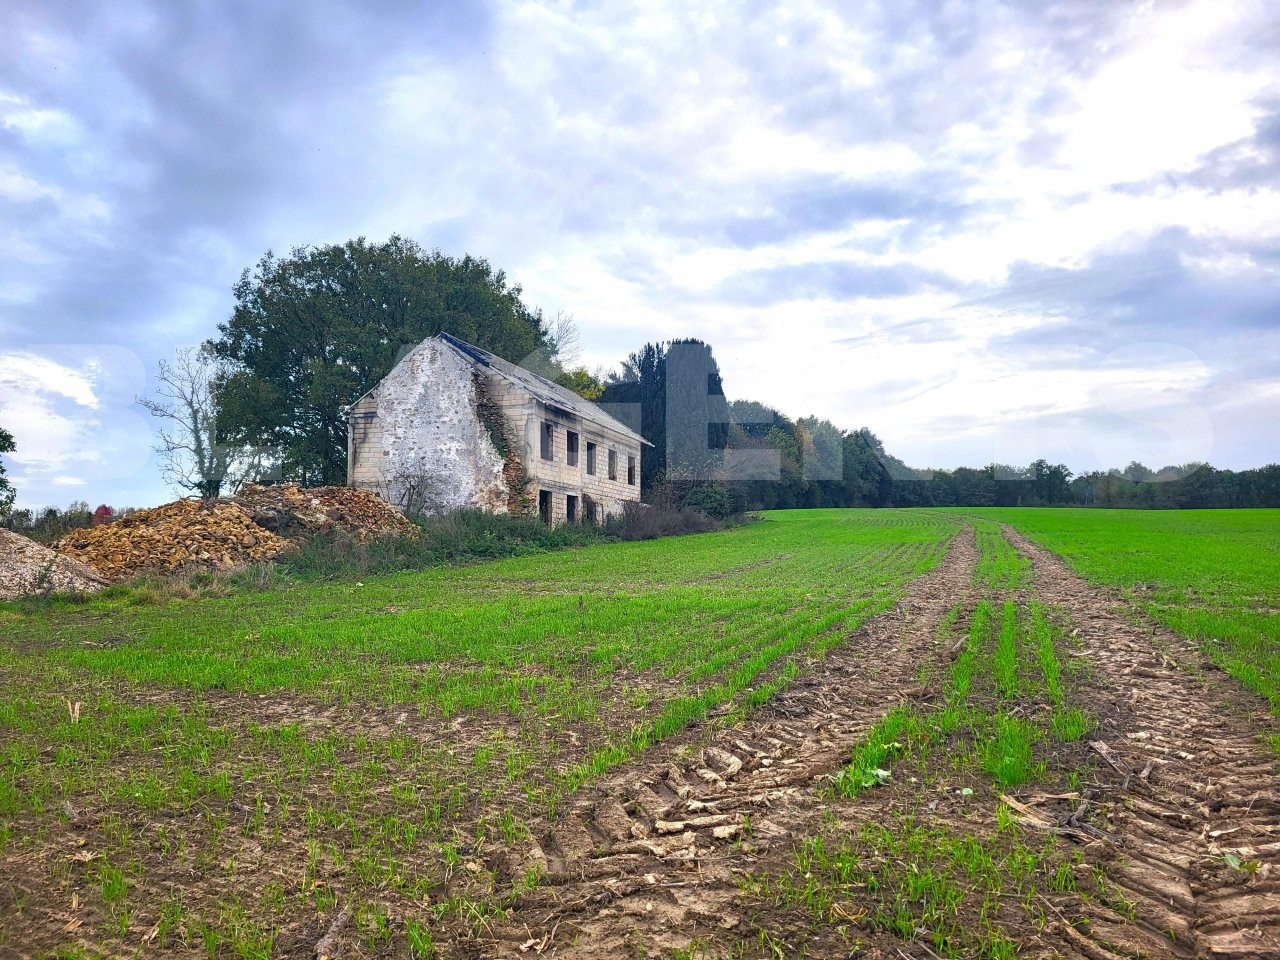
297	512
27	567
258	523
179	536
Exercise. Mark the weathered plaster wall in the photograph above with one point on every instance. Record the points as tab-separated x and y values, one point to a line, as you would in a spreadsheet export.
429	438
421	441
364	445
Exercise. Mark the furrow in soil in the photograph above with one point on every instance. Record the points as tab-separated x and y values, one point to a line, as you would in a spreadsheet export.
648	858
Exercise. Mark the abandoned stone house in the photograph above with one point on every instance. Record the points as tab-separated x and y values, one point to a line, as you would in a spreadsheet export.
453	426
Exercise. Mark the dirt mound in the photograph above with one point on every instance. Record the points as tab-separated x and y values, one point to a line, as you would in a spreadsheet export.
296	512
27	567
183	535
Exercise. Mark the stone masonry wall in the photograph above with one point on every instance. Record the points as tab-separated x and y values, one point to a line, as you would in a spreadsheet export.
426	446
561	479
420	439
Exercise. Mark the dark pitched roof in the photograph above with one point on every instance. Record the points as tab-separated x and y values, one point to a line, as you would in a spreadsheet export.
548	391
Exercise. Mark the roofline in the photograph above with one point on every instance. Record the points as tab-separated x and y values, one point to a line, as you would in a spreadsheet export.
465	348
403	357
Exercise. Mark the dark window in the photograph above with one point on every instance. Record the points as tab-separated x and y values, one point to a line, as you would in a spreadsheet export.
571	508
548	440
571	448
717	436
591	458
631	471
613	464
544	506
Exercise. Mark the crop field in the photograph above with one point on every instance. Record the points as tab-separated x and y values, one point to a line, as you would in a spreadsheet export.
827	733
1212	575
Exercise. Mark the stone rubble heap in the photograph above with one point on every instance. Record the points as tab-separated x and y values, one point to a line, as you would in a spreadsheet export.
299	512
27	568
257	524
185	535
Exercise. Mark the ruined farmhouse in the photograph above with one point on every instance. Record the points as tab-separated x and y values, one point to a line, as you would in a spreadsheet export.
453	426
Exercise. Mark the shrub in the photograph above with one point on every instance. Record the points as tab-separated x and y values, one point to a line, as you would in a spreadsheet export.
715	501
642	522
463	536
52	524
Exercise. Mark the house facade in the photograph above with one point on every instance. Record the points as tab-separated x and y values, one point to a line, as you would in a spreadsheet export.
453	426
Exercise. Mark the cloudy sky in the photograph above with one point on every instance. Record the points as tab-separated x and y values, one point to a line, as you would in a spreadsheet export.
989	231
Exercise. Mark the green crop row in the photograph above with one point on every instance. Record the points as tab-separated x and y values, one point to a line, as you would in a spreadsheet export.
1000	566
1212	575
1008	664
1000	718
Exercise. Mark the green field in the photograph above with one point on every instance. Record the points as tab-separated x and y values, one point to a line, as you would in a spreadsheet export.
1212	575
376	729
214	776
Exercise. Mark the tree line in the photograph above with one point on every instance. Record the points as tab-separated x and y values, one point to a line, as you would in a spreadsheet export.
1189	486
51	523
308	333
810	462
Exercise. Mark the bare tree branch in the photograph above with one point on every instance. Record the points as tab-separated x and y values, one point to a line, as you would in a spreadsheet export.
191	457
566	340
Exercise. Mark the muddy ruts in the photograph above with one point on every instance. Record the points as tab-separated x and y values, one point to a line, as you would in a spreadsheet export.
647	859
1194	795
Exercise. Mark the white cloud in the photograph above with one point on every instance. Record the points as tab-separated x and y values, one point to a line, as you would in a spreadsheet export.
40	126
15	185
74	207
607	159
1165	102
31	373
69	410
48	433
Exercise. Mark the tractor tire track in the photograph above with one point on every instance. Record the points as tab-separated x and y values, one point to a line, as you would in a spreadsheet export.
1192	792
648	859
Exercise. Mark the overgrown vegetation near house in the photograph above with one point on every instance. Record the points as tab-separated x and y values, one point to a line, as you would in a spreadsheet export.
463	536
471	536
452	539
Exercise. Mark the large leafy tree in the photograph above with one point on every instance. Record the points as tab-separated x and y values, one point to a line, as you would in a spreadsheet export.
642	383
865	470
6	488
313	331
1049	483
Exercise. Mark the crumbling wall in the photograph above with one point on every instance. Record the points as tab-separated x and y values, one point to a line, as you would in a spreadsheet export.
500	419
437	454
562	479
